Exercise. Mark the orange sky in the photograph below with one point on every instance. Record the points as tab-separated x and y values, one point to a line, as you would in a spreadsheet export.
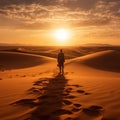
32	21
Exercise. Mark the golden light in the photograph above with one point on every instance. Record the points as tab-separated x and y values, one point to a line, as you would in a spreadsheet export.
62	35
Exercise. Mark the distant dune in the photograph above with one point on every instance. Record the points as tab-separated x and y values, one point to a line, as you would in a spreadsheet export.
13	60
108	60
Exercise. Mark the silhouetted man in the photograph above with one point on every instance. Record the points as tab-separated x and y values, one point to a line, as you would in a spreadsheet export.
61	60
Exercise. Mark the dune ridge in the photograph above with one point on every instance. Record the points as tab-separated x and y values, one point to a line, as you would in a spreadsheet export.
15	60
105	60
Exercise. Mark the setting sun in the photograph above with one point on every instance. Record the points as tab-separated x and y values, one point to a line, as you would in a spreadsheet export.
62	35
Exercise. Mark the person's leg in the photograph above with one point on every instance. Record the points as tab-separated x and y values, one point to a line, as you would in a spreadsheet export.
60	68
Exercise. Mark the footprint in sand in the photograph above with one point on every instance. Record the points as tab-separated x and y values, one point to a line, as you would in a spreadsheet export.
67	102
41	82
27	102
76	109
77	105
87	93
66	73
93	110
23	76
70	97
68	90
38	83
34	90
75	86
81	91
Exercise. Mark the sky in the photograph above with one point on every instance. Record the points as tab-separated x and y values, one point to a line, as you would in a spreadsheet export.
34	21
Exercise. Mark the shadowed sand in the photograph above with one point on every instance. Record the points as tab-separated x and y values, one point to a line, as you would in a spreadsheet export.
50	102
15	60
32	89
105	60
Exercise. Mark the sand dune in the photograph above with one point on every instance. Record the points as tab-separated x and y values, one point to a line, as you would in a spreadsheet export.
108	60
88	90
15	60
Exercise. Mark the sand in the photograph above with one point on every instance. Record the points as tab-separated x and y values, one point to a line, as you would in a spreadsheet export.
32	88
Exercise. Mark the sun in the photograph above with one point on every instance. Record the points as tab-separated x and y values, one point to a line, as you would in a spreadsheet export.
62	35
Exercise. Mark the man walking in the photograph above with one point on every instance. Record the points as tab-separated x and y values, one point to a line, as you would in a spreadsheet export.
61	60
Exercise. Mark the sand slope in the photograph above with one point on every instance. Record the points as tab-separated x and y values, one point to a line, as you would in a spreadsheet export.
15	60
108	60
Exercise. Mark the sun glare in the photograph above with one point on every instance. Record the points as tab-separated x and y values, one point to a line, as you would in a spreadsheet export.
62	35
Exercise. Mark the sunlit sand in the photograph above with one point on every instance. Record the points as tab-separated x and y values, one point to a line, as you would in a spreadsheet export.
32	88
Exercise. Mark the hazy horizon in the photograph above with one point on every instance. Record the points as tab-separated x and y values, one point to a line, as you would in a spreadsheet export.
86	44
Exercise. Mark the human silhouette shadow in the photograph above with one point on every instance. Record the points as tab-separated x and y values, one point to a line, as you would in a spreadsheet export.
51	101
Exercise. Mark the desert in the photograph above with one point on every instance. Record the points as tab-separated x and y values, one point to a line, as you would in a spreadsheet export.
32	88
